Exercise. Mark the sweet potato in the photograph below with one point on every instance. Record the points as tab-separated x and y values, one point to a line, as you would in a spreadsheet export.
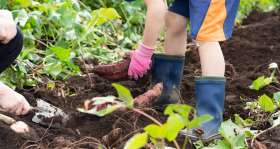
149	97
114	71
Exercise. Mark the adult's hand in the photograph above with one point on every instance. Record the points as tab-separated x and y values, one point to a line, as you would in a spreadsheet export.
8	27
12	102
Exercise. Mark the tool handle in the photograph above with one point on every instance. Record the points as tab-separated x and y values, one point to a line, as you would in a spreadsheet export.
34	108
6	119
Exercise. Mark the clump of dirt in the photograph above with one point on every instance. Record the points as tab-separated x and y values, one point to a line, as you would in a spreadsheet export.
254	45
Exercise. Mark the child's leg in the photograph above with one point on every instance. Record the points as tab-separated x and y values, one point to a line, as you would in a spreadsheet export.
211	21
176	23
156	10
168	68
211	58
210	25
176	34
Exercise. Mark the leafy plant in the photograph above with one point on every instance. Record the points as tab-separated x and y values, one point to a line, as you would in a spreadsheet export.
247	6
234	137
60	33
263	104
158	133
263	81
169	131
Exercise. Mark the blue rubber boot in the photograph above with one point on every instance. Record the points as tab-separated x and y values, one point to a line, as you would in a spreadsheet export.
210	95
168	70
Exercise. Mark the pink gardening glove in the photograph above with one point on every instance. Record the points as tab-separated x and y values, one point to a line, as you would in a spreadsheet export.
140	61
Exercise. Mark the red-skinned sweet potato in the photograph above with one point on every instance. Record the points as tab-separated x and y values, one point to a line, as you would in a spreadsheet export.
149	97
115	71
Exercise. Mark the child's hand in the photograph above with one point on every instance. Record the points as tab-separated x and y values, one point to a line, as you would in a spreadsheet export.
8	29
140	61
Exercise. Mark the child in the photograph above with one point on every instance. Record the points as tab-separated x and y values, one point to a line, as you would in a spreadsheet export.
211	21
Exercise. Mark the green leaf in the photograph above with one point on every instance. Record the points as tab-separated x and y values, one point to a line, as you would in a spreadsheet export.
155	131
183	110
51	85
233	134
54	69
241	122
276	96
25	3
221	144
61	53
248	133
154	140
173	126
197	121
239	142
124	94
177	108
260	82
103	15
22	17
227	129
266	103
137	141
169	130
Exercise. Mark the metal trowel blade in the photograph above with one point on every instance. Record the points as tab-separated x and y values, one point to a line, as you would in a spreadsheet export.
48	115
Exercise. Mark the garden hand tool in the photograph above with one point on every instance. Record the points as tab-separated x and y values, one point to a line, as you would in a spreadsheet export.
168	70
210	95
6	119
49	115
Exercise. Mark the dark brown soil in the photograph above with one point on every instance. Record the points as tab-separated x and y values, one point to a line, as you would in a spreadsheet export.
253	46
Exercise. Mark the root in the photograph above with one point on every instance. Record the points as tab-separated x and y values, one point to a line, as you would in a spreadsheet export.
149	97
86	141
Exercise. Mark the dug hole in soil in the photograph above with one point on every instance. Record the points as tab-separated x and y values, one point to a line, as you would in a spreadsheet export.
254	45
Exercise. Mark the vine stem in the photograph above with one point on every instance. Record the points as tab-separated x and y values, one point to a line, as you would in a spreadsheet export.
262	132
155	121
147	116
186	140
